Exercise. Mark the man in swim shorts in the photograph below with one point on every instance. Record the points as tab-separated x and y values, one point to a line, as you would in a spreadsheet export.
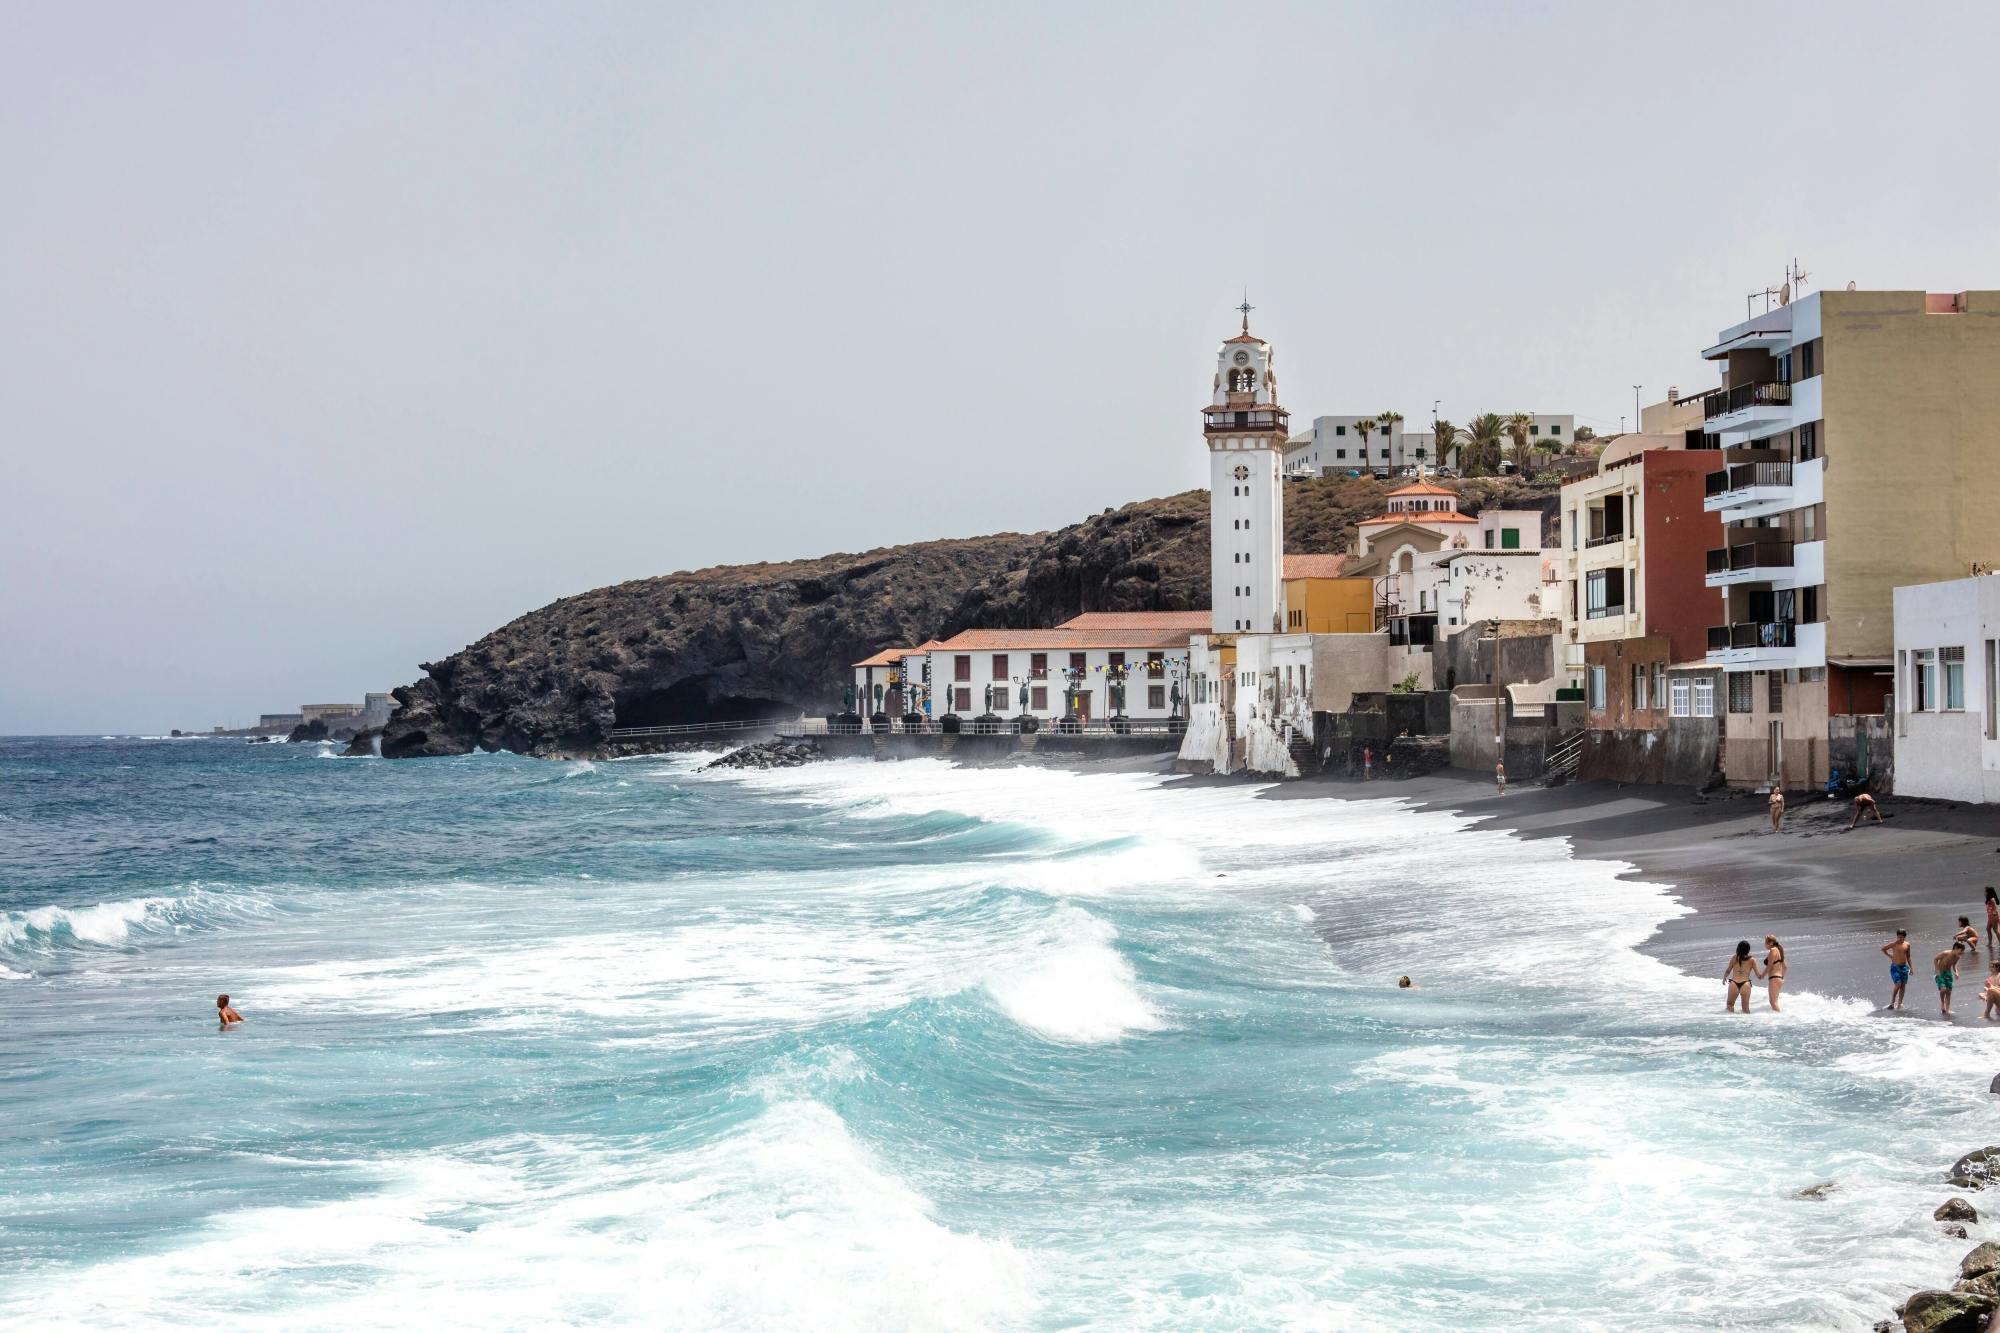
1946	965
1898	952
228	1016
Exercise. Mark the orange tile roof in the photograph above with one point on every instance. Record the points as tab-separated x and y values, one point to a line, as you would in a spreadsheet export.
1417	516
887	657
1024	640
1197	621
1314	566
1422	488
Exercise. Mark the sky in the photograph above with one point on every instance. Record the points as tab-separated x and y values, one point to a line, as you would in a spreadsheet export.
333	336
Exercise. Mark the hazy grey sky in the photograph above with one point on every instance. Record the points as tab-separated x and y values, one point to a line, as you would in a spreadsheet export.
335	335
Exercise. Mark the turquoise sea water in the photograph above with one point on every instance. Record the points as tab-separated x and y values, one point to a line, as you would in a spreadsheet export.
874	1046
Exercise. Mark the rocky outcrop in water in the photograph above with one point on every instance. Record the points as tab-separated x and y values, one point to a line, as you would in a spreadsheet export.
308	732
770	754
772	640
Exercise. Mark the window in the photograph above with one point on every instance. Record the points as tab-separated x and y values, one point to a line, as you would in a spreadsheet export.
1076	662
1574	543
1156	696
1038	698
1340	430
1678	706
1992	690
963	704
1340	453
1659	684
1038	665
1156	665
1510	539
1641	700
1604	593
961	666
1809	605
1555	430
1923	681
1740	698
999	666
1385	453
1535	428
1115	663
1597	687
1806	361
1489	539
1808	446
1775	681
1953	662
1704	698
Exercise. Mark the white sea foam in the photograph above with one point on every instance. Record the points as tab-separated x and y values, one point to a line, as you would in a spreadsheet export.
1077	987
788	1223
102	924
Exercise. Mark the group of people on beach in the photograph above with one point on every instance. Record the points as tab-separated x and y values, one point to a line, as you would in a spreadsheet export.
1944	967
1743	969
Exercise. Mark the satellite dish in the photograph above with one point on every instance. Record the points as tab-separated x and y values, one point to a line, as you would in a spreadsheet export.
1850	286
1785	294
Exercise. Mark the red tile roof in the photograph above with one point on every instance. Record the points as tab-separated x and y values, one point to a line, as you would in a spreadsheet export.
1196	621
1314	566
1419	516
1024	640
887	657
1422	488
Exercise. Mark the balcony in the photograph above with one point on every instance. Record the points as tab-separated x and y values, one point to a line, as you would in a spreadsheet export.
1600	612
1750	562
1603	539
1765	644
1762	487
1760	409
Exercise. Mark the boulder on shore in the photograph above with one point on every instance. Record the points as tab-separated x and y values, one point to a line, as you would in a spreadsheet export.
1946	1312
1976	1170
1980	1260
365	743
307	732
1956	1209
769	754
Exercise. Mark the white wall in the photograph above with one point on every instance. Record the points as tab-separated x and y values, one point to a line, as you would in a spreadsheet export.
1139	684
1948	755
1484	585
1246	517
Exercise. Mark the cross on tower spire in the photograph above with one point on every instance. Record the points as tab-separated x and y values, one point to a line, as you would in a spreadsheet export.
1246	308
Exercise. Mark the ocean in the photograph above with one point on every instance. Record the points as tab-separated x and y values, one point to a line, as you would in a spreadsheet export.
900	1046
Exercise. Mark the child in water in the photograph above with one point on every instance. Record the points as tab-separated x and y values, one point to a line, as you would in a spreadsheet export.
229	1017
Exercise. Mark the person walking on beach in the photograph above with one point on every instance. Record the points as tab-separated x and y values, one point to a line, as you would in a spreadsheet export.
1898	953
1992	914
1774	969
229	1017
1864	804
1500	775
1946	966
1742	970
1992	992
1777	809
1967	934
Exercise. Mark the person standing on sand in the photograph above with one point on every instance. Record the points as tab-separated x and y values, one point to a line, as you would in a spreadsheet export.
1946	966
1774	969
228	1017
1777	809
1864	804
1992	992
1500	775
1742	970
1898	953
1992	914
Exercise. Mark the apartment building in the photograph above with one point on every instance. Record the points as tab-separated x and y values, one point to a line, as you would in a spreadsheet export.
1338	445
1947	703
1635	544
1860	432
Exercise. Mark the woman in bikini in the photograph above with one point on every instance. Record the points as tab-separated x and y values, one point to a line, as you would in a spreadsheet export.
1742	970
1992	914
1774	969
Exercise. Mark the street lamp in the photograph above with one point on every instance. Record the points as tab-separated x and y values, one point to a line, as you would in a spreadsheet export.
1499	726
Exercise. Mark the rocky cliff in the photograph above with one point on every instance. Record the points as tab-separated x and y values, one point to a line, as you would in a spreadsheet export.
746	641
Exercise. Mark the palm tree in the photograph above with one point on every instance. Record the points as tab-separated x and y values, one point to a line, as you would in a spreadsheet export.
1518	425
1386	421
1443	436
1480	452
1364	428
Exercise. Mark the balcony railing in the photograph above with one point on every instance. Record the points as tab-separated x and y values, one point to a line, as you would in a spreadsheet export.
1750	555
1605	538
1754	634
1725	401
1744	475
1600	612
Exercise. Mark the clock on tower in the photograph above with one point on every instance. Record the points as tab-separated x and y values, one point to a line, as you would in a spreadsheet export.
1246	429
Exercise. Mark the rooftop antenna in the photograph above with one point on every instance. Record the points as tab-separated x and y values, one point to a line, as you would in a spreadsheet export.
1246	308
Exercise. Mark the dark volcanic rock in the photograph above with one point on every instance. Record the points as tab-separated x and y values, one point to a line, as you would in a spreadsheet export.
364	743
1946	1312
1956	1210
1976	1170
776	640
770	754
1955	1230
1980	1260
304	732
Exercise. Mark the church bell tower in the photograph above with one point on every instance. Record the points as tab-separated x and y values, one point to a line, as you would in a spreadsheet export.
1246	430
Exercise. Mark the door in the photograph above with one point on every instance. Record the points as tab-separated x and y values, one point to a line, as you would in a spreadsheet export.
1777	773
1860	773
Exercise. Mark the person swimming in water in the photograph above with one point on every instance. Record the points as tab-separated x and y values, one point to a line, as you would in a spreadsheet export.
1742	970
228	1016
